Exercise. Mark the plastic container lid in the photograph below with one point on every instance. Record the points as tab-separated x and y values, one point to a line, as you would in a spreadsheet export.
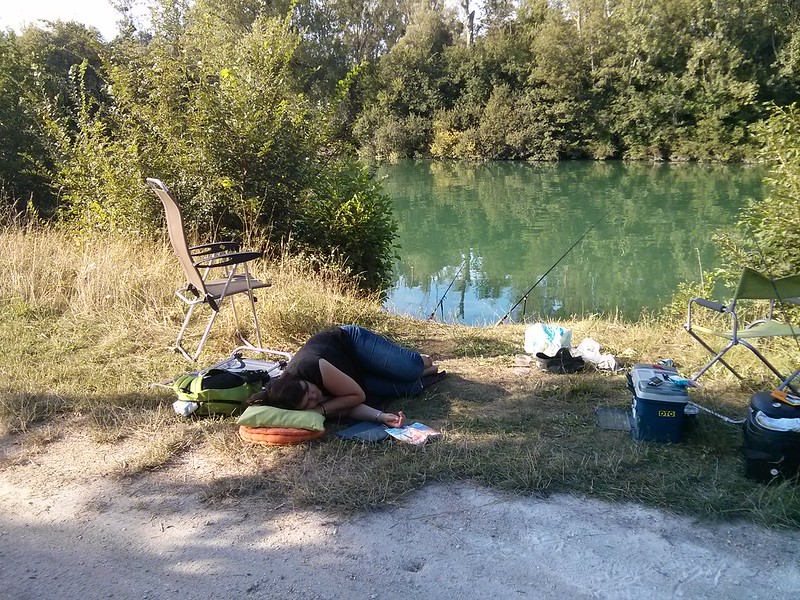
651	382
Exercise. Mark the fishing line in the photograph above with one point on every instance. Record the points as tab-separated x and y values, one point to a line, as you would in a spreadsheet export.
555	264
441	300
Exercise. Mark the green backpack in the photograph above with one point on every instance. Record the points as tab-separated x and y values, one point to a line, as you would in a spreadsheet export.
215	392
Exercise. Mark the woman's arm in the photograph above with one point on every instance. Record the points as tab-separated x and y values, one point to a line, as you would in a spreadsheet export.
345	392
362	412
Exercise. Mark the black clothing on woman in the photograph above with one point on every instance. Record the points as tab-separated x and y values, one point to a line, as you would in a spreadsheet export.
334	346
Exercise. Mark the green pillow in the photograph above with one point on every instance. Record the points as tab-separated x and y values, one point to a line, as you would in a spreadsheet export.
269	416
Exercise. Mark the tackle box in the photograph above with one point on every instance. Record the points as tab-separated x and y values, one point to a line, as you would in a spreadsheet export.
658	406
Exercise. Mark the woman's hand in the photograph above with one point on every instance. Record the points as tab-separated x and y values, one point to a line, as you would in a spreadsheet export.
393	420
362	412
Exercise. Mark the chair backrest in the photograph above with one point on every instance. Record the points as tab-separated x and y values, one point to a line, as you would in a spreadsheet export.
755	286
177	235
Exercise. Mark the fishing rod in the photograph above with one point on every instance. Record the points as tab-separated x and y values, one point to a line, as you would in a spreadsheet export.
555	264
441	300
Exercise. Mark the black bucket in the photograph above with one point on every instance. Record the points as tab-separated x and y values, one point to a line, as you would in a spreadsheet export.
771	455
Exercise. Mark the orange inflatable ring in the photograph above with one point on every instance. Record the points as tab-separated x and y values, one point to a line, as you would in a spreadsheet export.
278	436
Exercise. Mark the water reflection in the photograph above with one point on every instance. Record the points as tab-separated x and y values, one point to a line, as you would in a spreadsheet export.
489	231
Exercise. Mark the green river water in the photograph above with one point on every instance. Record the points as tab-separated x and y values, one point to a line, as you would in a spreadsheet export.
489	231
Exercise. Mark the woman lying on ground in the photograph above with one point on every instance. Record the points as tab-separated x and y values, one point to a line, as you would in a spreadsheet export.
341	371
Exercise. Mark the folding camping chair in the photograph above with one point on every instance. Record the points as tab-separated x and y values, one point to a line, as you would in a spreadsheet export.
752	286
199	263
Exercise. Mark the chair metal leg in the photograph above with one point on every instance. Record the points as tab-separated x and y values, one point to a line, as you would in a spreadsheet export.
249	347
788	382
179	347
247	344
785	381
761	357
239	332
251	297
202	343
255	318
717	357
235	315
179	341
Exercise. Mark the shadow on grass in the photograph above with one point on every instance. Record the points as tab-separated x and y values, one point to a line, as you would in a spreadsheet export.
522	442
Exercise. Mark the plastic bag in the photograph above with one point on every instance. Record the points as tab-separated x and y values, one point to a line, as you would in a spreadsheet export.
590	351
546	338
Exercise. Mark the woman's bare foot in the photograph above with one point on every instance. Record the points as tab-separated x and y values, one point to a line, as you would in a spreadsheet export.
427	361
431	370
429	380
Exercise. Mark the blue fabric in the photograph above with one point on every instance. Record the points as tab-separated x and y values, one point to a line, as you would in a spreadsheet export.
364	431
388	370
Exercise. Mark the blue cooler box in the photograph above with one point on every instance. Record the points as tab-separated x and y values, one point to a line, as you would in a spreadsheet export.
657	411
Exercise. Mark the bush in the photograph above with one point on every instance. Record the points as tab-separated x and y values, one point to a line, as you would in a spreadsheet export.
385	136
349	220
215	113
766	237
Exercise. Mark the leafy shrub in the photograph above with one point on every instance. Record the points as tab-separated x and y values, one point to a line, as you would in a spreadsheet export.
387	136
214	111
500	130
766	237
348	219
511	126
455	132
444	141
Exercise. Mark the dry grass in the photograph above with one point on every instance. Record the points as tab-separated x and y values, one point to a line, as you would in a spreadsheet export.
84	324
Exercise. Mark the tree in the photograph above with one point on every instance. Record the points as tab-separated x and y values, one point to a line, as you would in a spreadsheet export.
17	129
560	85
410	80
338	35
54	54
497	14
216	112
766	237
38	74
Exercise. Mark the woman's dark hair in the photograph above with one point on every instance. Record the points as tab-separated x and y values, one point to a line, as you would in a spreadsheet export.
286	391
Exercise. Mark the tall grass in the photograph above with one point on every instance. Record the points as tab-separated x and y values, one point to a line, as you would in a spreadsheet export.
125	281
107	274
85	324
87	316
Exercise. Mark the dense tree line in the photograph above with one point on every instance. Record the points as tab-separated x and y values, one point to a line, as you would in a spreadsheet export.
677	79
252	109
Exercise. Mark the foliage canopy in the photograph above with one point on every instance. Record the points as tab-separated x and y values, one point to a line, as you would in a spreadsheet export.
766	237
210	104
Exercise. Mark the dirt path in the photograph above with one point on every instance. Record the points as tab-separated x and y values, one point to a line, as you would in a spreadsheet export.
106	539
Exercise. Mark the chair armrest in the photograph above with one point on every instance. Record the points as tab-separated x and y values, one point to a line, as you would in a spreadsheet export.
225	260
710	304
214	248
716	307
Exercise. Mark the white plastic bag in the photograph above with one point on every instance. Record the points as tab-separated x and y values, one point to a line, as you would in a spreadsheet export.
546	338
590	351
